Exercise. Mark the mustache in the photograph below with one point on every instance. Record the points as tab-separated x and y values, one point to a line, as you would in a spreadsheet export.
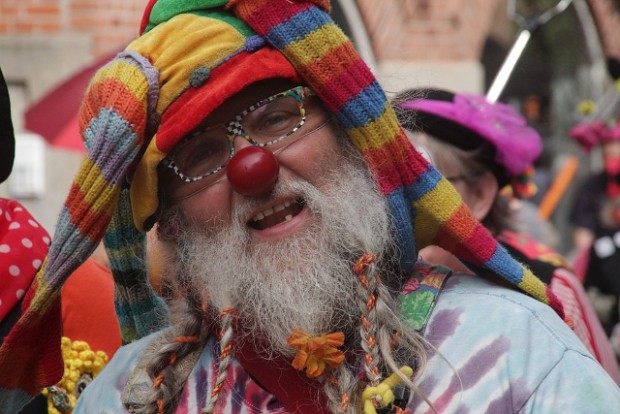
296	188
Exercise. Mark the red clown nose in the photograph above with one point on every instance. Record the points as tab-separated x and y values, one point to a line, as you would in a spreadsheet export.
253	171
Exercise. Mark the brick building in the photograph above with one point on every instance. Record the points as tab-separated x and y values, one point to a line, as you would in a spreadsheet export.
457	44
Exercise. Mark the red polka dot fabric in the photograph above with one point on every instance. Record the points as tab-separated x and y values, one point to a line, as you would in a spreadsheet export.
23	246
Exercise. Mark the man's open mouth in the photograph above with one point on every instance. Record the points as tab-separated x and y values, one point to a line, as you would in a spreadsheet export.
277	214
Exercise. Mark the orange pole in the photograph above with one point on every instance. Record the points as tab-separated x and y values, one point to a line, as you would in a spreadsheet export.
558	188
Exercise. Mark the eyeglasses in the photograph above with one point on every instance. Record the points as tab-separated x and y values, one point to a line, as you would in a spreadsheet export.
267	122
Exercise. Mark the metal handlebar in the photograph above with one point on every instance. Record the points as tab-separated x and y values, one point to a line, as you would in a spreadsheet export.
526	26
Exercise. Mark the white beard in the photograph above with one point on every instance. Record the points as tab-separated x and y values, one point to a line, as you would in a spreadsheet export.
304	281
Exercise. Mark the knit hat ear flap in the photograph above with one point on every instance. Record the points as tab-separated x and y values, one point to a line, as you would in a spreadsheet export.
422	201
114	133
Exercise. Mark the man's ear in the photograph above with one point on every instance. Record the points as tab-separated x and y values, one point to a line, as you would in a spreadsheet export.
483	195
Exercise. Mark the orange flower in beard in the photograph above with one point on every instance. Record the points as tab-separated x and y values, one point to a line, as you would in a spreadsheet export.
315	353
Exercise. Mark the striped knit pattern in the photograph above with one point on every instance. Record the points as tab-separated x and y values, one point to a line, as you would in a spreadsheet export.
421	200
130	84
31	353
138	308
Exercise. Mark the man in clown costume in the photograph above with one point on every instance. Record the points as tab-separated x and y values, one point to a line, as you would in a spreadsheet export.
290	206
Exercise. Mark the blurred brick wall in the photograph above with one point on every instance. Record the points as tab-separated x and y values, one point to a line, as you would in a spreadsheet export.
437	30
441	30
110	24
445	30
29	16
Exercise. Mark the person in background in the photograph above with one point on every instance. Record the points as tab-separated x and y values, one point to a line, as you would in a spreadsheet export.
89	326
595	213
482	148
292	206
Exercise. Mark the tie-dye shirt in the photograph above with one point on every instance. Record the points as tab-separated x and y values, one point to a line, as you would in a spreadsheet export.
497	351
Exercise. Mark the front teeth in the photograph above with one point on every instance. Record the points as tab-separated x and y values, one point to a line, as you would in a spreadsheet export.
270	211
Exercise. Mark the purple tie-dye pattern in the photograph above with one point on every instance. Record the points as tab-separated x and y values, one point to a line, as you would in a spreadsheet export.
238	393
429	383
238	389
484	361
502	404
202	375
483	373
447	322
261	401
466	410
226	395
499	359
515	396
445	398
479	364
521	393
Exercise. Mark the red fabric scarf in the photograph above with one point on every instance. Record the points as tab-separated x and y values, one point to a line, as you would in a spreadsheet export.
297	393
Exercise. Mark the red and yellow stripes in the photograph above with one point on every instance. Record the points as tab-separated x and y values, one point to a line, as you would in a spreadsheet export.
329	64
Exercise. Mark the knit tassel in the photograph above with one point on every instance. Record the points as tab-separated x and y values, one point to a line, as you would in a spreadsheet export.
30	357
138	308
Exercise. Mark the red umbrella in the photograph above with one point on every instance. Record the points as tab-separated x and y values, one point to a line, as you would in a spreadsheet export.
55	116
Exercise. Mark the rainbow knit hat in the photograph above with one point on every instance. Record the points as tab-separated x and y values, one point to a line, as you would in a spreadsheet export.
192	56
